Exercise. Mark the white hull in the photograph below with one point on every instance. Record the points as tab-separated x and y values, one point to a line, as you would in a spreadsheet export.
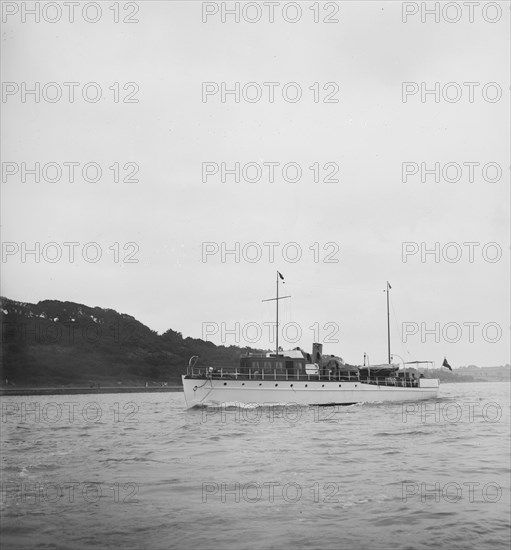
316	392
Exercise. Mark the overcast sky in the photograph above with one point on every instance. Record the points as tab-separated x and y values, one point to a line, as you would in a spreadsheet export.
172	130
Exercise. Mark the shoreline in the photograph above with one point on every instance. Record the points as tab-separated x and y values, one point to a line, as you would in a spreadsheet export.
77	390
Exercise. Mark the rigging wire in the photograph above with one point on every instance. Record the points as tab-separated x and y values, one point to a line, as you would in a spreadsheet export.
404	349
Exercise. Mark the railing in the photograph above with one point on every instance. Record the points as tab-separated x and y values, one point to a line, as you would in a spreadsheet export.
248	373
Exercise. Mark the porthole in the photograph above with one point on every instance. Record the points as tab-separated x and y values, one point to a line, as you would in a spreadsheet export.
276	385
291	385
225	383
306	385
323	386
339	385
260	384
243	383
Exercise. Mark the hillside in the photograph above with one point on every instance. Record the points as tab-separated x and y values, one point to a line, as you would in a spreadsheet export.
55	343
474	374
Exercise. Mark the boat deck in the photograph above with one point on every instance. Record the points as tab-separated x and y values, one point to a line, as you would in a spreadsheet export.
205	373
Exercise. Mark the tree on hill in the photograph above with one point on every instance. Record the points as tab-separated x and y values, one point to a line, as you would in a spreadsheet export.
55	343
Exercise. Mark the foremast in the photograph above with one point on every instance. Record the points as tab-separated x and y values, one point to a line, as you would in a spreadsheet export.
279	276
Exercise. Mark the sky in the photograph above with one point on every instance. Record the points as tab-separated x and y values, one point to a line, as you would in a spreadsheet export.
162	218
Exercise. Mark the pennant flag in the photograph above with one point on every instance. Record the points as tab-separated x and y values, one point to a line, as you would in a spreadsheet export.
280	275
446	364
389	285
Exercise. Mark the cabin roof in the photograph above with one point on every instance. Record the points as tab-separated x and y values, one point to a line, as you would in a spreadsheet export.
292	354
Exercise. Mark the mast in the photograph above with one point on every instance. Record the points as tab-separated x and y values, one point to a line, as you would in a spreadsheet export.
277	312
388	322
277	322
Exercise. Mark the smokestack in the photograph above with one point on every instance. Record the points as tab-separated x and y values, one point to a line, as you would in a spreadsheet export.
317	353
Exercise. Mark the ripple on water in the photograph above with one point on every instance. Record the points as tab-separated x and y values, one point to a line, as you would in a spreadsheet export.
360	470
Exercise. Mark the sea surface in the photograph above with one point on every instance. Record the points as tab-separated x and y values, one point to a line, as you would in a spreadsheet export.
138	471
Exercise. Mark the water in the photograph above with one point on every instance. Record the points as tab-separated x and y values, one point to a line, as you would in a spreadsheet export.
139	471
